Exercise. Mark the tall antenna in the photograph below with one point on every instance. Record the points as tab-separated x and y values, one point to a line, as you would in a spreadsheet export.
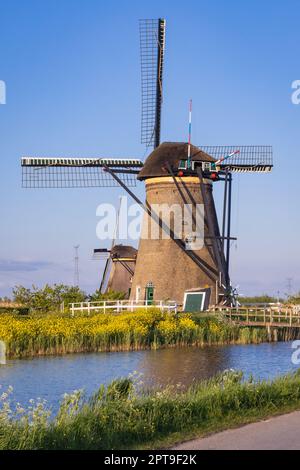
76	266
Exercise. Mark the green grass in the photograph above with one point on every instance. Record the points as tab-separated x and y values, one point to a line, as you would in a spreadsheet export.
119	417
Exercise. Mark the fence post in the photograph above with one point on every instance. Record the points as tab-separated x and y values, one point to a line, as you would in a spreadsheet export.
264	316
104	306
89	308
2	353
291	319
247	315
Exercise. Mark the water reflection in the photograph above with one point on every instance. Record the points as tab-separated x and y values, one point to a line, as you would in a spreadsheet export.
183	365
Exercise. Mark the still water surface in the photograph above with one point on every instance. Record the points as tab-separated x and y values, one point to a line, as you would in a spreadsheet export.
51	377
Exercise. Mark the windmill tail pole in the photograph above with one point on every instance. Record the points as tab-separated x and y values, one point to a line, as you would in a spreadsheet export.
190	133
227	156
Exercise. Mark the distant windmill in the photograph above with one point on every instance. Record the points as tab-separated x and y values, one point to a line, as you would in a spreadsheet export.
120	264
173	173
119	268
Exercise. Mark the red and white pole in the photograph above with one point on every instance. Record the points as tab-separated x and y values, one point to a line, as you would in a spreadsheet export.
190	134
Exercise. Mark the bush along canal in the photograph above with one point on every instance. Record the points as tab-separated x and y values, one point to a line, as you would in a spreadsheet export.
54	334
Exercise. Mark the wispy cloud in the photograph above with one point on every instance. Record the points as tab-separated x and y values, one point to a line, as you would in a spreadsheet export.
10	265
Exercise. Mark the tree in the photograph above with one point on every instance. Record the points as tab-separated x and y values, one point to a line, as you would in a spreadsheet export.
294	299
22	295
47	298
259	299
111	295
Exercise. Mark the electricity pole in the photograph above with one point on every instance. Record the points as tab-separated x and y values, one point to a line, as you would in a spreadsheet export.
289	286
76	266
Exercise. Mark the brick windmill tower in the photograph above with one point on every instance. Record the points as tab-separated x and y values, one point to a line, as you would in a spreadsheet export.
163	268
174	174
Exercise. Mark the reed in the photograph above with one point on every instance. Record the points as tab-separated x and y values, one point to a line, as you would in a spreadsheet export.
54	334
121	416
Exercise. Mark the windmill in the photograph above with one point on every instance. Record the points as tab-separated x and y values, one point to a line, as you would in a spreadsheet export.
174	172
119	268
120	264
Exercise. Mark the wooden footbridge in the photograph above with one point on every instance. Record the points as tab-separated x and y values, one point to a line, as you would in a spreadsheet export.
8	306
279	317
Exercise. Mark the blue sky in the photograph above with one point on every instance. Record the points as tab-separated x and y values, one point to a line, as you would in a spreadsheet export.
72	73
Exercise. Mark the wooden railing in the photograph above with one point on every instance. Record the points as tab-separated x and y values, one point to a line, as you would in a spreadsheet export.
255	316
121	305
11	305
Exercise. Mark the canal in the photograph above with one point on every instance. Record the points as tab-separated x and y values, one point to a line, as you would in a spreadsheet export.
50	377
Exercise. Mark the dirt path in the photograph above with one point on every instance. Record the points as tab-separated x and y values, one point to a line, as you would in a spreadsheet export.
281	432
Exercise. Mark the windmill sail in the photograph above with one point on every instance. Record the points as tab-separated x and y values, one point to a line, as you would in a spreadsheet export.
77	172
106	274
152	43
245	158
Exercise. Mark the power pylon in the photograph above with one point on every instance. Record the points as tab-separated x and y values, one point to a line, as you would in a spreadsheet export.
76	266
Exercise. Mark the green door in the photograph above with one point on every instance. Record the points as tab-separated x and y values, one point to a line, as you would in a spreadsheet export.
149	293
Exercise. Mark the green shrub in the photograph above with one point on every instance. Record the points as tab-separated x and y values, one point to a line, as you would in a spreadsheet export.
119	417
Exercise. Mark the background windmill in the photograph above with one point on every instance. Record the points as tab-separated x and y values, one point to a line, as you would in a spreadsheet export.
173	173
120	264
119	268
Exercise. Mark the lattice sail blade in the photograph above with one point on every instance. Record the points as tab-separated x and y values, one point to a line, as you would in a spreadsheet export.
106	274
101	254
249	168
152	45
77	172
250	158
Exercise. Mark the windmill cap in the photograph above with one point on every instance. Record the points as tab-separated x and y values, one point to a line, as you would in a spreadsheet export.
123	251
171	152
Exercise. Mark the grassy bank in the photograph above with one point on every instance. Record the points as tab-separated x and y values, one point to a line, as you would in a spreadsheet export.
117	417
25	336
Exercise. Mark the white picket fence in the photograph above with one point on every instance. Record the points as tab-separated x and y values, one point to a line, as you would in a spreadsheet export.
121	305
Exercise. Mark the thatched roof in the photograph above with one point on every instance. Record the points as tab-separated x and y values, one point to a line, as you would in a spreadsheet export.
171	152
123	251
